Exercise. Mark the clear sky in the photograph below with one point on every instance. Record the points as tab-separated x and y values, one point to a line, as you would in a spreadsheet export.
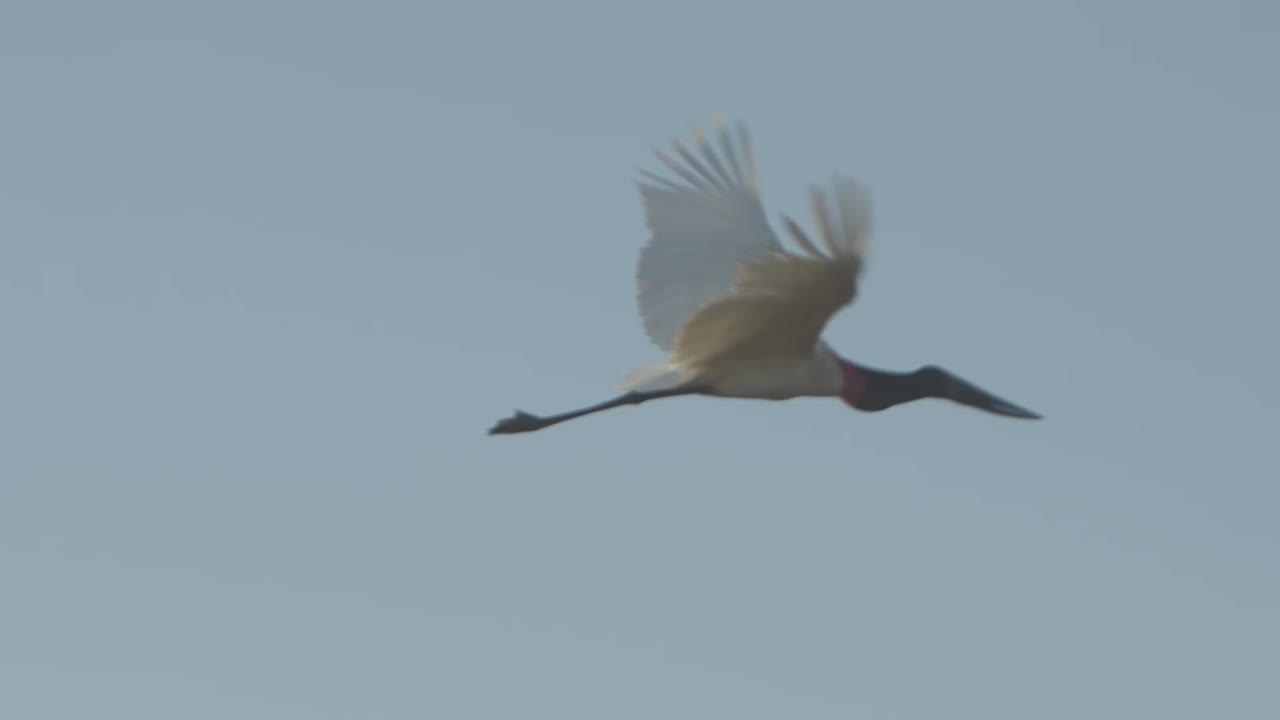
269	270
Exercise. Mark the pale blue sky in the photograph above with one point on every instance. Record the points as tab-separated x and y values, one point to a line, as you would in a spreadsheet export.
269	270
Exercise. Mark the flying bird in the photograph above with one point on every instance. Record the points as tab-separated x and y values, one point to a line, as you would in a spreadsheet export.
742	314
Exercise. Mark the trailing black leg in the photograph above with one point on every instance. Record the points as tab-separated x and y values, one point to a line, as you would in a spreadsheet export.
524	422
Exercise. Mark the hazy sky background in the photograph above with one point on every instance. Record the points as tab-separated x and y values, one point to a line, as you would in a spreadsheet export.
269	270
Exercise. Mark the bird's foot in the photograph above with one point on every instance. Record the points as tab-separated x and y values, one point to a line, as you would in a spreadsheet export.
518	423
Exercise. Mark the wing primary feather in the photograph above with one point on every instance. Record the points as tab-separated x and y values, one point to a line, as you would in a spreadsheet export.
798	235
660	182
698	183
726	147
709	154
851	216
748	155
696	164
822	212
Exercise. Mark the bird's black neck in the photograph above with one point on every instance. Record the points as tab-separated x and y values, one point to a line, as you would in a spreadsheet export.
885	389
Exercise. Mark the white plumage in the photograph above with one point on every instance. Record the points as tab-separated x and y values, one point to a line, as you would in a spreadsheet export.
740	313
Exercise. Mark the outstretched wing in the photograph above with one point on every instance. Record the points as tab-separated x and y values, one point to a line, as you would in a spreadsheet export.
781	301
706	223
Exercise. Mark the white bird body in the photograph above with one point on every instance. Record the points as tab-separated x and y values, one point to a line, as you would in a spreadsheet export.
780	378
740	314
767	378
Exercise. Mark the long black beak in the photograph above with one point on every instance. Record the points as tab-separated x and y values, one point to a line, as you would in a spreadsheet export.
969	394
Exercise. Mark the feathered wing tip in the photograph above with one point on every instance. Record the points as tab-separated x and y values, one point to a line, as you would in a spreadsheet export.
853	202
705	219
844	233
726	163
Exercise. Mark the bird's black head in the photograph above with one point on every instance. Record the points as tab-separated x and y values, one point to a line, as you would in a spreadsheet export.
882	390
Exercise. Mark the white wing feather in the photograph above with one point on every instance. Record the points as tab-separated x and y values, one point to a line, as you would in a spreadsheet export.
780	302
705	226
716	288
